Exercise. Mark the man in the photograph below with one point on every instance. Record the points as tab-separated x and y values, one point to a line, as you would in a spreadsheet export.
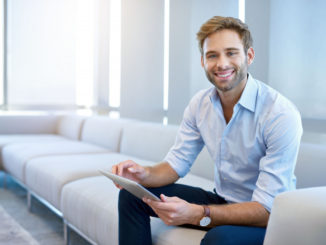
250	130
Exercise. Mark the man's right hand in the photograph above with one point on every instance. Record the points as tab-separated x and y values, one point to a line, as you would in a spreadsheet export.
131	170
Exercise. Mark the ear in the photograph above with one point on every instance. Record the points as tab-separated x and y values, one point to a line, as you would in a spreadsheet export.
250	55
202	61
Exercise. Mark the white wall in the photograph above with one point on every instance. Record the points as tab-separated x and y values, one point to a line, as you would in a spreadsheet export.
180	57
258	20
201	12
297	53
142	59
187	76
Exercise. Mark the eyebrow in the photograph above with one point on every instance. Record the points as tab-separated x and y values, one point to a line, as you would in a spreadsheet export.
227	49
232	49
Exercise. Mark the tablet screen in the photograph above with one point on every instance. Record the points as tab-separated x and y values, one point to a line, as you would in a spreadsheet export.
131	186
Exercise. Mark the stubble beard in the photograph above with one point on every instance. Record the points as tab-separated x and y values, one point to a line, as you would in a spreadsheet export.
240	75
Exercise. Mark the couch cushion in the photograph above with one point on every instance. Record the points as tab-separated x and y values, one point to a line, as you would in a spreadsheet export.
96	199
46	176
174	235
6	139
70	126
204	165
298	217
194	180
28	124
311	165
15	156
90	204
150	141
103	131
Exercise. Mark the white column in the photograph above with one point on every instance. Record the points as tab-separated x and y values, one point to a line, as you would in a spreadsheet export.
142	59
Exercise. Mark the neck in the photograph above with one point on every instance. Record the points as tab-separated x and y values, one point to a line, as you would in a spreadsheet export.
231	97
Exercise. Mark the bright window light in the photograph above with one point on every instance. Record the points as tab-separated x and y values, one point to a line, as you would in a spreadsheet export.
115	53
114	114
166	54
84	52
242	10
165	120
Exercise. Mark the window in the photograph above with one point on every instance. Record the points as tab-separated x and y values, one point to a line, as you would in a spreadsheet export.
50	50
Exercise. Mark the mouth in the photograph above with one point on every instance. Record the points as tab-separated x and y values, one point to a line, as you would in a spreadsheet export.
224	74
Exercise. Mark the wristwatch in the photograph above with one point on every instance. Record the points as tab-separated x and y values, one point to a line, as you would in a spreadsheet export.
206	220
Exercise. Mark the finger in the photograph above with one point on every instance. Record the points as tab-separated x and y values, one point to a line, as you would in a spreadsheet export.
165	216
162	206
124	165
165	198
118	186
135	168
132	170
114	169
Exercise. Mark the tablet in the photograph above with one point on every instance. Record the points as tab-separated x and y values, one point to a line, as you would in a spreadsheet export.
131	186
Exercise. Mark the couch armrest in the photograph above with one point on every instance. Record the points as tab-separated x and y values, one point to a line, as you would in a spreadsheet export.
298	217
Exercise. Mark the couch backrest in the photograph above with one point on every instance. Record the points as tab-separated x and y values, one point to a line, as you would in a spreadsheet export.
103	131
204	165
150	141
28	124
311	165
70	126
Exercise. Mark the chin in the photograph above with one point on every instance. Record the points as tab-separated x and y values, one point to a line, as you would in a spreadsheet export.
223	87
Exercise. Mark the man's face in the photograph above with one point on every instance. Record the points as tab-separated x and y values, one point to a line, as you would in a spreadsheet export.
225	61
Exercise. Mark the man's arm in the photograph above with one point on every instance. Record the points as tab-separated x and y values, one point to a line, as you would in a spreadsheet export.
248	213
175	211
159	175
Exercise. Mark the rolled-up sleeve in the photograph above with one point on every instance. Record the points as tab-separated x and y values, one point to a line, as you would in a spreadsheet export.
282	134
188	143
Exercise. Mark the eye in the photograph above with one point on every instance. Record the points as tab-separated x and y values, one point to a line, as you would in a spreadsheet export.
231	53
212	56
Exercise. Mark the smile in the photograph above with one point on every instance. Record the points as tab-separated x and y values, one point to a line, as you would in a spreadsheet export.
224	74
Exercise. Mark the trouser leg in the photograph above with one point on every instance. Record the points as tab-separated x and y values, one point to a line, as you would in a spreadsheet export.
134	221
234	235
134	214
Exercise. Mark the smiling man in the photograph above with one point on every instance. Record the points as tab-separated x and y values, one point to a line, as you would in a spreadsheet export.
251	132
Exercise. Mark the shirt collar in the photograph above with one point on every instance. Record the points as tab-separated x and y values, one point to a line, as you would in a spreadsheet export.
248	96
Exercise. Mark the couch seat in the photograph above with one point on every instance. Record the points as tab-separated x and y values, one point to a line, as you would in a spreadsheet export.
15	156
46	176
6	139
96	198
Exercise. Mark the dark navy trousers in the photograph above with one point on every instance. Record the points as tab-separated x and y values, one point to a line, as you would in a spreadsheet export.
134	218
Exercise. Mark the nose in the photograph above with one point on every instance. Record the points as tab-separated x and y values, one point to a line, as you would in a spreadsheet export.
222	62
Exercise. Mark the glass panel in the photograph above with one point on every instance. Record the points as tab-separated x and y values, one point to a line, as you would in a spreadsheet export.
50	52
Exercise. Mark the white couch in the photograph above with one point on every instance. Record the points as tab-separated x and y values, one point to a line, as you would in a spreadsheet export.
56	158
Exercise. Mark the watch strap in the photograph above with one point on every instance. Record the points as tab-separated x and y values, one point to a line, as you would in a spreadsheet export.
207	211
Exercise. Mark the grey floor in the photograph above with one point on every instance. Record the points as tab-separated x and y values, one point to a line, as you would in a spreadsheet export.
45	226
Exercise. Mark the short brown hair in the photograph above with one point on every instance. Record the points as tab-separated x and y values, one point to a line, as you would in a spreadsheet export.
218	23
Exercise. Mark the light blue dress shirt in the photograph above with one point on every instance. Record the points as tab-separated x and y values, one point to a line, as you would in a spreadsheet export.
254	154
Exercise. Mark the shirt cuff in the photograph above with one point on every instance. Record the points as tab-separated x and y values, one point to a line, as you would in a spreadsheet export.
263	198
177	164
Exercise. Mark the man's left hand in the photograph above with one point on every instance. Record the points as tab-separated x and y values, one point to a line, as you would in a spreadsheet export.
175	211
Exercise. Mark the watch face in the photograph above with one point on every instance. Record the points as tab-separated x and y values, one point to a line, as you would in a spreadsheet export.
205	221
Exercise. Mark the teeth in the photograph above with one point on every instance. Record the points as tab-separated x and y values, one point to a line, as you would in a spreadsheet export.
225	75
